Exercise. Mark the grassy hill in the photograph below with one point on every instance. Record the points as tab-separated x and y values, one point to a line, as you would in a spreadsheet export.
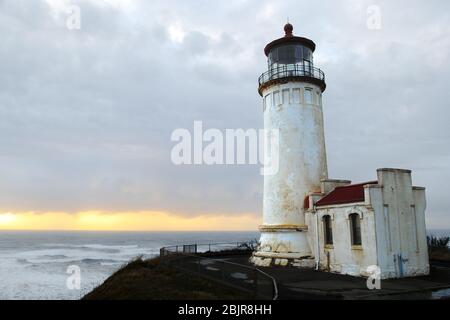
150	280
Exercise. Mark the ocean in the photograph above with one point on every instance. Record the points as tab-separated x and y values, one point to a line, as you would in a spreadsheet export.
34	265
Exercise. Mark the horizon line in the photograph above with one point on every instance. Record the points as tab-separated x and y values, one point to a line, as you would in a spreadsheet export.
82	230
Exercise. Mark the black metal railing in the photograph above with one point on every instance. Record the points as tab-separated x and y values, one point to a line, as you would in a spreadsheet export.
291	70
199	259
205	247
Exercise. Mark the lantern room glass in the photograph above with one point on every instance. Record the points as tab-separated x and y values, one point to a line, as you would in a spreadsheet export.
290	54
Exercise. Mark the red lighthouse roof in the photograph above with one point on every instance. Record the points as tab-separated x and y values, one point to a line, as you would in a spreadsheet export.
289	38
345	194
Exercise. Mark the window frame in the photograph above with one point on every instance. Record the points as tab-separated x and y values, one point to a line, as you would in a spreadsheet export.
327	230
297	96
311	95
355	229
267	101
286	99
276	98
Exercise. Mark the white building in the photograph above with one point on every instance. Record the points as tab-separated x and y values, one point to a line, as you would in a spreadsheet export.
312	221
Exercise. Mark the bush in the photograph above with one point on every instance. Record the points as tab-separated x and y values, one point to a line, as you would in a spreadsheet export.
437	243
438	248
249	245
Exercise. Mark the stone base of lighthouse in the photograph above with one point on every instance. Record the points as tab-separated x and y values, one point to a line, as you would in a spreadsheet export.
283	246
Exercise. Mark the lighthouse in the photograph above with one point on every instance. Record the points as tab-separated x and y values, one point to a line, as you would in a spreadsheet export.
374	228
291	90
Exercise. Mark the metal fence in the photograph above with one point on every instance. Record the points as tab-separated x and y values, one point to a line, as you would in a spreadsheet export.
199	259
206	247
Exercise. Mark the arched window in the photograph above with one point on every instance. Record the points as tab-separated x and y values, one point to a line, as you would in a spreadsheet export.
355	229
327	229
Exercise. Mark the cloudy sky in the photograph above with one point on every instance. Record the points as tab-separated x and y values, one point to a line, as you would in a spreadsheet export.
86	114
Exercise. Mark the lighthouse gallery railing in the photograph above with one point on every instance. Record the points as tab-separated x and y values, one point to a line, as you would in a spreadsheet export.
291	70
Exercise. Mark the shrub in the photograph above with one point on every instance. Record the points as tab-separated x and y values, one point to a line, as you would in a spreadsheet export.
437	243
249	245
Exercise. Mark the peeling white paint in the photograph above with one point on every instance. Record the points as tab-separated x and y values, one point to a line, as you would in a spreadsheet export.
302	164
394	239
392	214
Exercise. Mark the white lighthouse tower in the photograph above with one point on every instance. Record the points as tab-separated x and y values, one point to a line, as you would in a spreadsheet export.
292	102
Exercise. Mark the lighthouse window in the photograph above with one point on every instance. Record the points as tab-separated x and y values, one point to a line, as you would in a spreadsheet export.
267	102
276	98
296	95
308	96
286	54
298	53
327	228
307	54
289	54
273	57
355	229
286	96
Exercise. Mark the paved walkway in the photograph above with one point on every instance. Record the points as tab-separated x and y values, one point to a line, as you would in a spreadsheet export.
294	283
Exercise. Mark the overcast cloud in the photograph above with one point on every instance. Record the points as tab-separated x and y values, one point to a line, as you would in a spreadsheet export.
86	115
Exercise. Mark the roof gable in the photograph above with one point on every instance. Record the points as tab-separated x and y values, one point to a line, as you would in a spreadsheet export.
345	194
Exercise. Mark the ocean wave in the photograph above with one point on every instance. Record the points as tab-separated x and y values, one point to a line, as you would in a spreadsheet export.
92	246
107	264
36	268
100	261
58	256
22	261
54	256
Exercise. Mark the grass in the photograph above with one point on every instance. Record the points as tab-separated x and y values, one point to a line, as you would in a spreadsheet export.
151	280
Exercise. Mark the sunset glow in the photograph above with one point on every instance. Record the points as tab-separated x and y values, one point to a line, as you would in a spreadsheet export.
125	221
7	218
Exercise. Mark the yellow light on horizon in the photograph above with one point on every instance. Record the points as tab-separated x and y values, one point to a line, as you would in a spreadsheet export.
127	221
7	218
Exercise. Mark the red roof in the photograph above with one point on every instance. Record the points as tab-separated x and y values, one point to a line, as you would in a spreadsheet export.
345	194
290	38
